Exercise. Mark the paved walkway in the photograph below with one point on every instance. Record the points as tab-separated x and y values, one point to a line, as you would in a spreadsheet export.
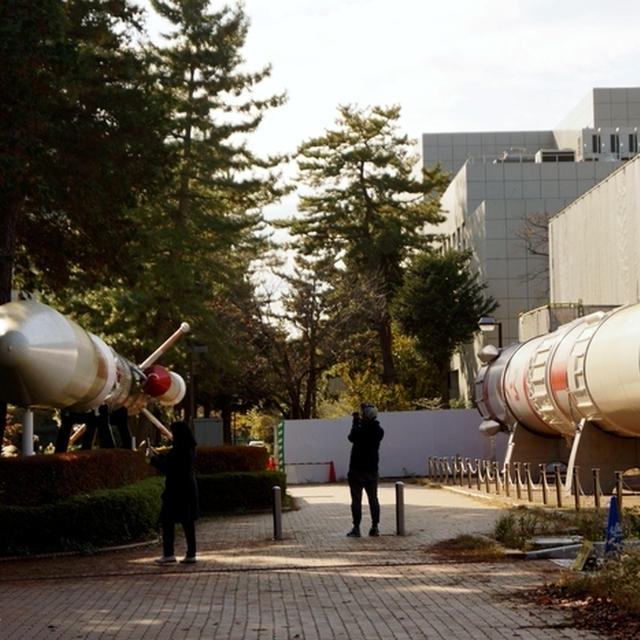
314	584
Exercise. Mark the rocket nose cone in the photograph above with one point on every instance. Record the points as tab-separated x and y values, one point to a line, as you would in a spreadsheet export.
13	348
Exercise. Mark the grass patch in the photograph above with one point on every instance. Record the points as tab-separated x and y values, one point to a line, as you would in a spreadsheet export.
468	548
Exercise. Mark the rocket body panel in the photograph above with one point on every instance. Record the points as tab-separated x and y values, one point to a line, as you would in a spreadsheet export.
612	366
35	341
543	390
517	390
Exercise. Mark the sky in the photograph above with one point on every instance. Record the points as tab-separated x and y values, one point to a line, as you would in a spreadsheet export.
451	65
456	65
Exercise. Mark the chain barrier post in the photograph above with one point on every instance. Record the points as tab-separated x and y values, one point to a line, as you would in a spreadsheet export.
558	480
527	470
596	487
619	492
543	475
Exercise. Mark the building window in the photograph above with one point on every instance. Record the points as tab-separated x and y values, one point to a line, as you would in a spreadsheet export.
596	143
633	143
615	143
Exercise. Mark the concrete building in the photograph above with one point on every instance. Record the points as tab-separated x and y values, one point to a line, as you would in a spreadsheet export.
504	187
594	243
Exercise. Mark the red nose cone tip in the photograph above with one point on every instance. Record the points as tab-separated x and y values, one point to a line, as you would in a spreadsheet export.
158	381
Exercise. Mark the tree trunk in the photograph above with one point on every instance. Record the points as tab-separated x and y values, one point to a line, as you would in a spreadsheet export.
386	348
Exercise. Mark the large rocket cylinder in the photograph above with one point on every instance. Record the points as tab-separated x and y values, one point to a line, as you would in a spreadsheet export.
47	360
588	369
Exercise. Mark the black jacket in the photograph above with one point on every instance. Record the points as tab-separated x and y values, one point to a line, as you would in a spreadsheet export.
366	436
180	496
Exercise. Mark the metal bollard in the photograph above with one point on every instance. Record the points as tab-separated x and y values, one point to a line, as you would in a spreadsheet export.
400	508
277	513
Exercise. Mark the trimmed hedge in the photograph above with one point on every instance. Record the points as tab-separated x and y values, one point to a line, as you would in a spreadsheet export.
126	514
43	479
105	517
230	458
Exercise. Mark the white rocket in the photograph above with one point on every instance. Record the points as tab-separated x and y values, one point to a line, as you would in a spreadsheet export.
47	360
585	376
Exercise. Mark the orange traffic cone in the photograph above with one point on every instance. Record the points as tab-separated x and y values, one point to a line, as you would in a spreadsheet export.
332	472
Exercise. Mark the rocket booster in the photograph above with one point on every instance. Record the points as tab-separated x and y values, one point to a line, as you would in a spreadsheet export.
47	360
586	370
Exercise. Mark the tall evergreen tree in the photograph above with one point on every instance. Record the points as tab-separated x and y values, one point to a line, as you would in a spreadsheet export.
81	139
198	235
211	208
366	204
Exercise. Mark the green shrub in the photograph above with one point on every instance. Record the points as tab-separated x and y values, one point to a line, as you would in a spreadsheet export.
239	491
615	582
105	517
515	528
126	514
43	479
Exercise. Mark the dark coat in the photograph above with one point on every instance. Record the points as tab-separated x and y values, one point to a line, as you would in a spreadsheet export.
366	435
180	496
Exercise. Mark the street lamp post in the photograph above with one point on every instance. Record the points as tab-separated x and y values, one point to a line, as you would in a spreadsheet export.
488	324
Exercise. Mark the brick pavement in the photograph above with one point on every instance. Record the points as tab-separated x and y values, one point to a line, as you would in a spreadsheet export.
314	584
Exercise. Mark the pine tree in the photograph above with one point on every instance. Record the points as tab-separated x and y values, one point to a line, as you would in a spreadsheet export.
81	139
366	205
